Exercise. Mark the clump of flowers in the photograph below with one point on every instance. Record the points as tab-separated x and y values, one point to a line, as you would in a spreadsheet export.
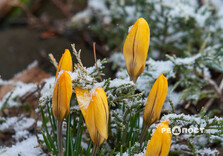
108	114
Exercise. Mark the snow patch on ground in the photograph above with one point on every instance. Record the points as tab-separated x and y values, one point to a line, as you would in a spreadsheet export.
19	125
47	90
24	148
11	99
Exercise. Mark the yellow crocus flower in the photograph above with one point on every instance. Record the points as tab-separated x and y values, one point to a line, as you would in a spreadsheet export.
155	100
65	62
61	96
61	104
94	107
136	48
159	145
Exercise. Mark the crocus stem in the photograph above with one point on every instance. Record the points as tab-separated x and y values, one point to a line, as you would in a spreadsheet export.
59	138
143	134
95	150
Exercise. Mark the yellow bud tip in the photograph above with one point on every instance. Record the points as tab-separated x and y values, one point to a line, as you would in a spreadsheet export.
136	47
65	62
165	122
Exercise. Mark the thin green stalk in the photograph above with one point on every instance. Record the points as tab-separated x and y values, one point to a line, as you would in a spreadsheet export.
121	150
59	138
130	153
143	134
71	143
89	149
95	150
68	136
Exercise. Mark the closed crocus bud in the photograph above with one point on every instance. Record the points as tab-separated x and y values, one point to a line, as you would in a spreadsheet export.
65	62
155	100
61	96
160	141
94	107
136	48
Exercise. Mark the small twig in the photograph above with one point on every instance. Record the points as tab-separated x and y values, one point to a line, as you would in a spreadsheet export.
100	50
208	104
77	54
204	43
95	59
187	106
79	64
212	83
221	85
53	60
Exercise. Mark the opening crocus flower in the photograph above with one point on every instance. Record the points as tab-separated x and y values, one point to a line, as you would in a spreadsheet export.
156	100
61	96
65	62
94	107
136	48
160	141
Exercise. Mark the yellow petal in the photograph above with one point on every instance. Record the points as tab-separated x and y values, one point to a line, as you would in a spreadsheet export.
83	98
61	96
136	48
100	105
91	126
156	100
65	62
94	107
160	141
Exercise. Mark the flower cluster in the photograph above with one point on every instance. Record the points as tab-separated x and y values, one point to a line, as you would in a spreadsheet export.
93	102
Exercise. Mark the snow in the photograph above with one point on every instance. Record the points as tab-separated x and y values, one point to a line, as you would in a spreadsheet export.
9	122
20	125
116	83
92	7
130	10
93	69
208	151
33	64
178	147
23	124
24	148
107	20
186	10
130	27
118	59
139	154
188	60
160	67
21	134
187	118
152	72
174	97
85	99
47	90
11	98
